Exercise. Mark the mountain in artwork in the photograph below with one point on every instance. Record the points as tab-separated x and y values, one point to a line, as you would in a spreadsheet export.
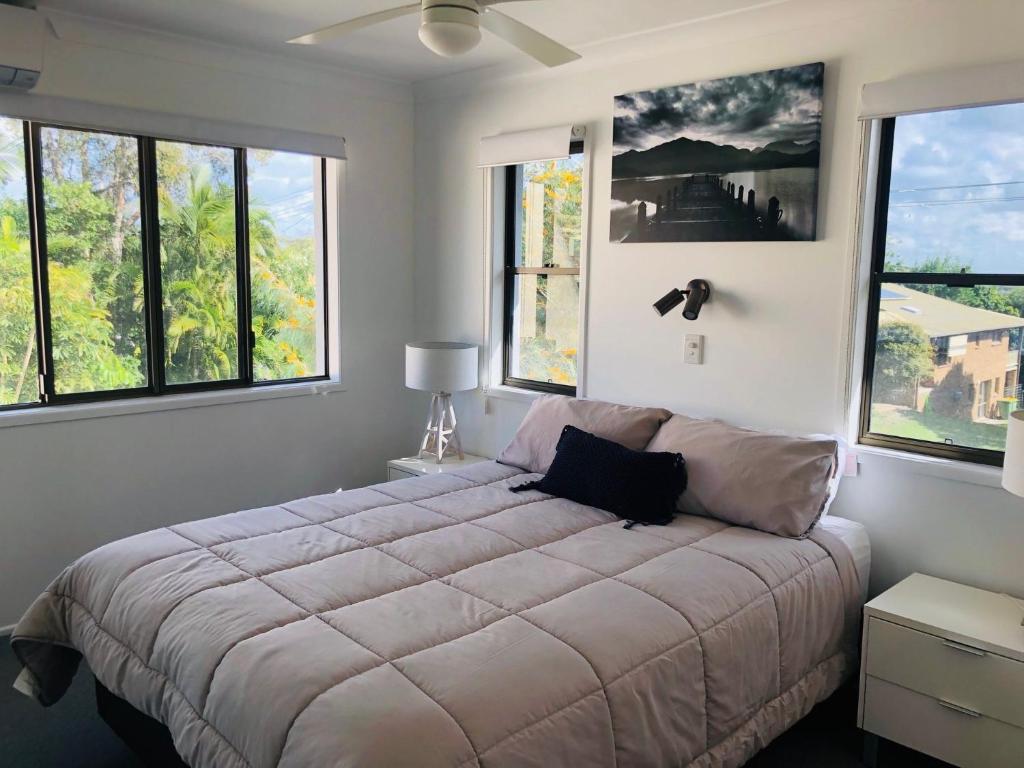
685	155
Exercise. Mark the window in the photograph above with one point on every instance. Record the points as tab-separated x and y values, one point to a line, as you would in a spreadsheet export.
131	266
92	235
286	226
199	263
18	342
946	307
543	243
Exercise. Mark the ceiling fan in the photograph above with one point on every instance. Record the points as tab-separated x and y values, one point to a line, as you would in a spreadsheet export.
452	28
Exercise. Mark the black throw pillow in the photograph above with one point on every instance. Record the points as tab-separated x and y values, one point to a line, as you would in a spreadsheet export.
634	485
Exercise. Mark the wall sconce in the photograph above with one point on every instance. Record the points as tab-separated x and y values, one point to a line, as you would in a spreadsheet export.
696	293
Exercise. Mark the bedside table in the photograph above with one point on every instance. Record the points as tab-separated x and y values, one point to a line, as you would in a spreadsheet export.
942	672
399	469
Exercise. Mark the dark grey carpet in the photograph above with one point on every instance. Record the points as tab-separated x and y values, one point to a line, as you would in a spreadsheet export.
68	734
71	734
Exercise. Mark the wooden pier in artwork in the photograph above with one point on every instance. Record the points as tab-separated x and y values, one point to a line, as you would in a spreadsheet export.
706	207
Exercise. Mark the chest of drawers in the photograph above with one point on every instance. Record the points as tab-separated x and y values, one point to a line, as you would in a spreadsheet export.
942	672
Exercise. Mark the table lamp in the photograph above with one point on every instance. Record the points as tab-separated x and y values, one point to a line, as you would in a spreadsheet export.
441	367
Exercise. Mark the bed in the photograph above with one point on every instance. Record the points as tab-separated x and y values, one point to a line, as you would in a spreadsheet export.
446	621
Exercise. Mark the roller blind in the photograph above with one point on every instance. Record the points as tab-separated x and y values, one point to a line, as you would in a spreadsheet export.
528	146
933	91
166	125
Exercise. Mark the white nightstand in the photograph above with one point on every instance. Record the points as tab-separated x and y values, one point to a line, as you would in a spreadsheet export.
414	466
942	672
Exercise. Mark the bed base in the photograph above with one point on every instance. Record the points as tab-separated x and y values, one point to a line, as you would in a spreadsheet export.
146	737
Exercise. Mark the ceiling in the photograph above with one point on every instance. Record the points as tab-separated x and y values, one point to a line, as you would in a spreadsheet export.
392	49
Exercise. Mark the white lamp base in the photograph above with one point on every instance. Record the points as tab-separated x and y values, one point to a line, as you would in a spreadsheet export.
441	436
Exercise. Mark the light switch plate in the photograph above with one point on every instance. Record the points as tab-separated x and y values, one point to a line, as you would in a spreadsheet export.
693	351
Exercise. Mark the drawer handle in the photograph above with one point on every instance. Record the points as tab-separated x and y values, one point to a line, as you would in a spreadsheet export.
958	708
964	648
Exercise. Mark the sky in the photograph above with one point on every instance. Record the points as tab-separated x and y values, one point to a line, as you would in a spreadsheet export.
283	183
957	188
746	111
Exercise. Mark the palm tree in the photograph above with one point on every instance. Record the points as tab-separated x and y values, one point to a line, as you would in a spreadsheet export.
197	238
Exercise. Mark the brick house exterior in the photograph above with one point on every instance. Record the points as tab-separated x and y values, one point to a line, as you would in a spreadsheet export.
980	342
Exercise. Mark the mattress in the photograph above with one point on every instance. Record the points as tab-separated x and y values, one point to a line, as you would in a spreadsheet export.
855	538
447	621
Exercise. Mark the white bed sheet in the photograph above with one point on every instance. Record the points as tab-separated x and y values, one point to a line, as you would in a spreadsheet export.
855	537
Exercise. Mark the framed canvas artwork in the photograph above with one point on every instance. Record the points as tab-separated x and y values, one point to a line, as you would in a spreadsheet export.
729	159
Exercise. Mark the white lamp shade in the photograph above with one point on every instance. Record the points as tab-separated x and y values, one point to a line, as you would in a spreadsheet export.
1013	460
441	366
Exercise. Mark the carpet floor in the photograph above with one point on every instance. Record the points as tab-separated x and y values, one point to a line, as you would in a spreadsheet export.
71	734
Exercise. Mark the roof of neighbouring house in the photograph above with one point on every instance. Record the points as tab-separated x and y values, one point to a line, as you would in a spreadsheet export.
938	316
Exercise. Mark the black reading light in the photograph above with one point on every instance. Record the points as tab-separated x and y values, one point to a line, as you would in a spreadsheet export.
697	292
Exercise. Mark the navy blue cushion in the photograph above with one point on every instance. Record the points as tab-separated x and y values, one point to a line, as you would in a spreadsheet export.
635	485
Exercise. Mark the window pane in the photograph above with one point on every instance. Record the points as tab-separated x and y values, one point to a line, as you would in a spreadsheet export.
18	366
196	187
94	260
957	191
287	263
545	328
550	213
947	363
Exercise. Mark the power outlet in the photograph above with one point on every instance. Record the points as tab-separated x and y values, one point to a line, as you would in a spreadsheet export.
693	348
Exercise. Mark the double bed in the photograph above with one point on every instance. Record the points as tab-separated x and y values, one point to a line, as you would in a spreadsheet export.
447	621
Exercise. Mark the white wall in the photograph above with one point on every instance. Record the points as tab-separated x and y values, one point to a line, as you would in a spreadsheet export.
776	350
68	487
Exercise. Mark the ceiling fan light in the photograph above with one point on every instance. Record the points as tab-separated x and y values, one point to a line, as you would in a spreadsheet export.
450	31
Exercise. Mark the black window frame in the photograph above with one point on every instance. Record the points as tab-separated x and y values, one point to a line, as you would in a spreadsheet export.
511	270
156	385
879	277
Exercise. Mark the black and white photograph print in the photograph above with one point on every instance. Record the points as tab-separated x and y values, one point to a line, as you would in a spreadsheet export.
719	160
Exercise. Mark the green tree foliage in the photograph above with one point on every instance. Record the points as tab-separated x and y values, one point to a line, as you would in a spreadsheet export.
903	356
981	296
17	321
93	236
199	279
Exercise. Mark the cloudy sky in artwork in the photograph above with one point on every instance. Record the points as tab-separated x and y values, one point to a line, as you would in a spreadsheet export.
746	111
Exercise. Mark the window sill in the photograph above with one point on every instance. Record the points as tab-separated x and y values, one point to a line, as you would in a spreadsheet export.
515	394
46	415
930	466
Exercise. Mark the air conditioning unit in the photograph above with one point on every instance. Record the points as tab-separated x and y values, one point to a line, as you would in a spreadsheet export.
22	34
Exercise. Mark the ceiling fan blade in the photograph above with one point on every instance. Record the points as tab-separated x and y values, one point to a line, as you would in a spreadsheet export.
485	3
528	40
337	30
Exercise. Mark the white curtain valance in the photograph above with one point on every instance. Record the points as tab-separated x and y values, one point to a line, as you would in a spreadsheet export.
166	125
528	146
933	91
